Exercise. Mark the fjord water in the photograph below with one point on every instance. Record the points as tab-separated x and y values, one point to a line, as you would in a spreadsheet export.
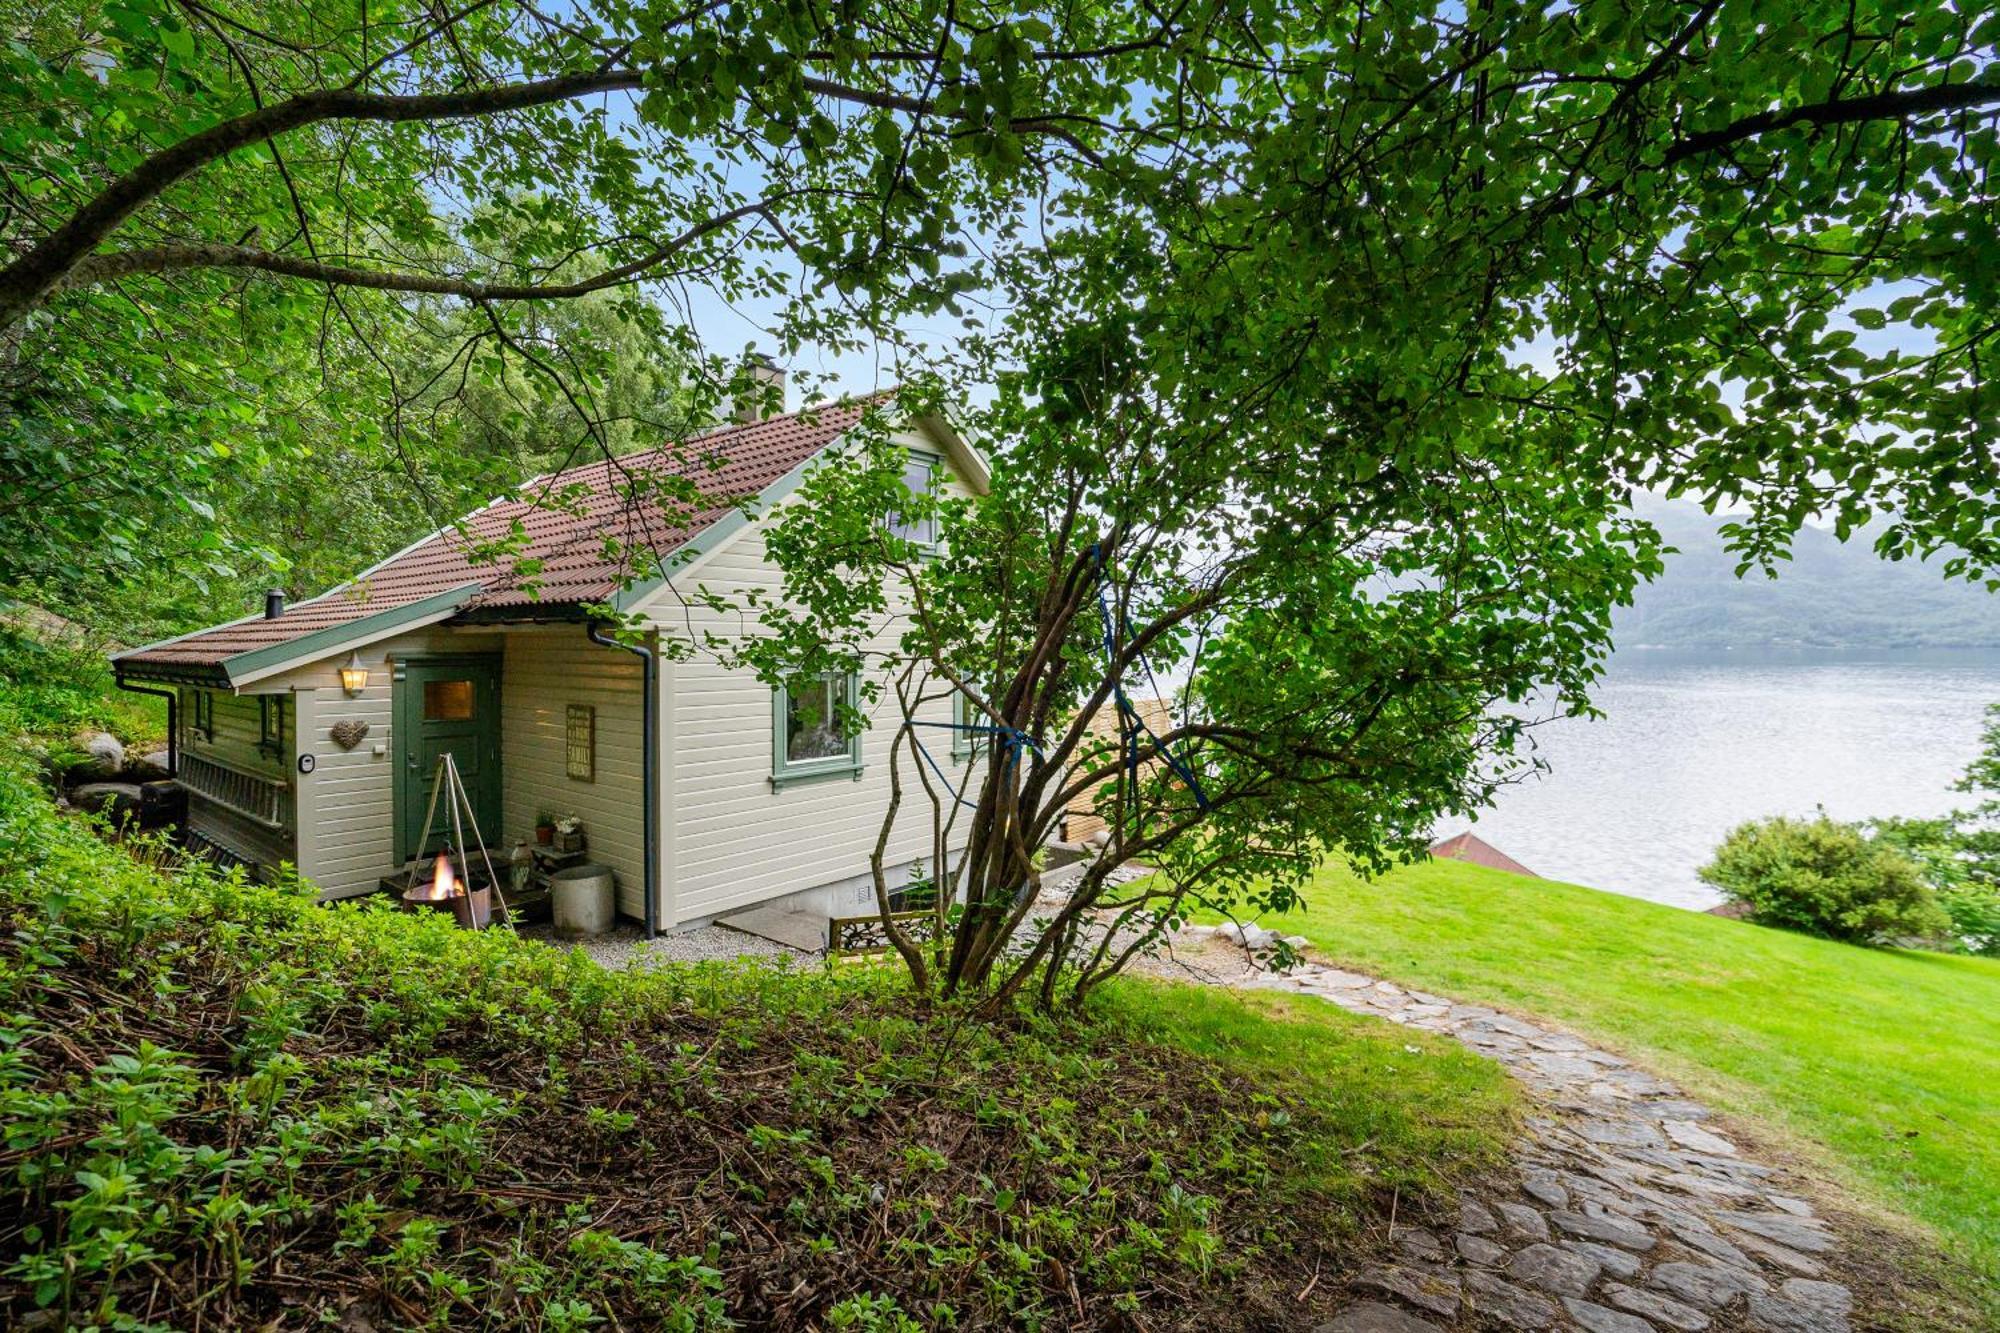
1694	743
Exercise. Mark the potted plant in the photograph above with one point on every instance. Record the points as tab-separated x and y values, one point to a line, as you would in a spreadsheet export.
545	828
569	834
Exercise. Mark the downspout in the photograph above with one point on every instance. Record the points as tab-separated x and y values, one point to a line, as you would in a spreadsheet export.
173	698
648	767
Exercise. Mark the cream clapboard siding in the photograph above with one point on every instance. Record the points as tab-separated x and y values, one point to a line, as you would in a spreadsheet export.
347	808
545	671
735	841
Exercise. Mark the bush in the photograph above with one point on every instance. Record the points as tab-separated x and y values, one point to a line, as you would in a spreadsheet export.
1959	859
1825	878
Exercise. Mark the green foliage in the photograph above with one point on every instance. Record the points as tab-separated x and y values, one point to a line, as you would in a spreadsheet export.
1825	878
58	685
1960	852
270	1109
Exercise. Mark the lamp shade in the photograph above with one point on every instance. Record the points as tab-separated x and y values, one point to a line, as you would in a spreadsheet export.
353	675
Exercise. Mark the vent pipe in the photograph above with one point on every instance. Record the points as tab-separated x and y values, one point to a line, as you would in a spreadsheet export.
274	603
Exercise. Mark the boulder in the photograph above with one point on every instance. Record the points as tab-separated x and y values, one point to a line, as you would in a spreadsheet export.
104	761
116	801
150	767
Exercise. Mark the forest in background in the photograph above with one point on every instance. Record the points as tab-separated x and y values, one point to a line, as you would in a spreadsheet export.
1829	594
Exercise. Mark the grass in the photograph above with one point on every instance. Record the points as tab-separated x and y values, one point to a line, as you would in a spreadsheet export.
1885	1063
229	1107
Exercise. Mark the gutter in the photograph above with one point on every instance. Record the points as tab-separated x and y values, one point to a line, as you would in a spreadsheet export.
648	766
173	699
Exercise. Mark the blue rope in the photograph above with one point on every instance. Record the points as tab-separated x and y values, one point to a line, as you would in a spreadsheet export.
1012	739
1130	722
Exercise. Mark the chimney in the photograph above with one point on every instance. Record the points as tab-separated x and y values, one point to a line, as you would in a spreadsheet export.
766	396
274	603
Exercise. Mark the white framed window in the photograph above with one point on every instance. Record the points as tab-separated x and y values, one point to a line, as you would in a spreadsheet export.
919	478
806	740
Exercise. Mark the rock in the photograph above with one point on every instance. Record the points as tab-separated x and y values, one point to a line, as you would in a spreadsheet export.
1544	1186
116	801
1795	1233
1421	1244
1620	1133
107	755
1521	1220
1296	943
1561	1272
1597	1319
1828	1296
1773	1314
1557	1041
1779	1257
1479	1250
148	767
1705	1285
1687	1134
1712	1245
1508	1303
1230	931
1375	1317
1427	1289
1786	1203
1657	1308
1611	1230
1474	1218
1259	938
1615	1262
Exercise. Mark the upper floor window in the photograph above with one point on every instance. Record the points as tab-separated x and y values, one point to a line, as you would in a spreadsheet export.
807	741
919	477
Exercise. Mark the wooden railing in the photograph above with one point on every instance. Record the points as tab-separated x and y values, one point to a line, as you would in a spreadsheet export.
266	800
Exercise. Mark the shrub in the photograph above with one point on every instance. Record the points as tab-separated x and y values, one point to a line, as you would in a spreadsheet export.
1960	859
1825	878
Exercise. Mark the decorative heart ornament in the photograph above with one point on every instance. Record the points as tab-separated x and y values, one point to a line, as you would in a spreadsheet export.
348	732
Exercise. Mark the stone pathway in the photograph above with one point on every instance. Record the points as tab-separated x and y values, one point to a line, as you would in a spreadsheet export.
1633	1213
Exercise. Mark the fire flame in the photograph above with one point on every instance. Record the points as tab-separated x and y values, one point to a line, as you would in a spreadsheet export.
444	880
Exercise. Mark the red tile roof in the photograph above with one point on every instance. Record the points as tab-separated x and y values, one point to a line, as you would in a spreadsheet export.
1466	847
584	525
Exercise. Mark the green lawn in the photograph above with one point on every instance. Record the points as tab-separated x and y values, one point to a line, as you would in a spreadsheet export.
1890	1060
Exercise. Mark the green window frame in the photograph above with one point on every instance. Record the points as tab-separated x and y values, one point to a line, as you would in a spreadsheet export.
965	744
920	477
816	715
271	725
201	716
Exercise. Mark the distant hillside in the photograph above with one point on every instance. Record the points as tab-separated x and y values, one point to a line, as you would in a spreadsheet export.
1829	595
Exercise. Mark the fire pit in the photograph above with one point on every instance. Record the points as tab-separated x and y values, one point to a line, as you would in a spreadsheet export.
446	891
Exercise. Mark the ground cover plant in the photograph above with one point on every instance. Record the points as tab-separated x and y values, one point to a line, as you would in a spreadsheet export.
228	1107
1886	1060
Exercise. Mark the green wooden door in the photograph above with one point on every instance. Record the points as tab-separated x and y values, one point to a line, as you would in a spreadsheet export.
446	704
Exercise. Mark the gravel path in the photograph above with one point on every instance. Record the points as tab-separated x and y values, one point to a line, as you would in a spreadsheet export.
627	946
1633	1213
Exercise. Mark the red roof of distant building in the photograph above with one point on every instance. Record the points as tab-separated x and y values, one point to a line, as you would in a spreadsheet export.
1477	851
583	526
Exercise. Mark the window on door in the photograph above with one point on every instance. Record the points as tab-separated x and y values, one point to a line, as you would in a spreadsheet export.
448	701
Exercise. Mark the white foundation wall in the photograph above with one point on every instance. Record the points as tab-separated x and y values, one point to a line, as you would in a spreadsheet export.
546	669
734	841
